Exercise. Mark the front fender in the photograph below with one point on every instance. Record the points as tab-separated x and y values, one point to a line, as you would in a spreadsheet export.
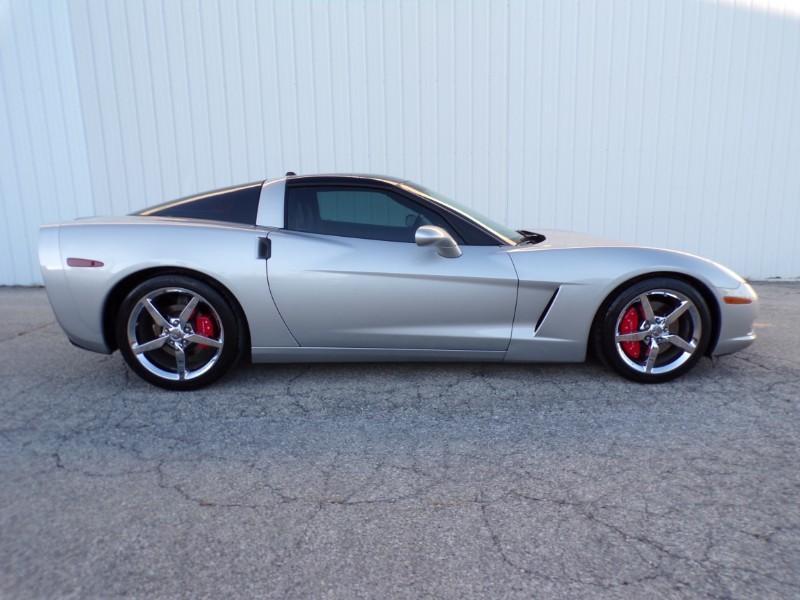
584	277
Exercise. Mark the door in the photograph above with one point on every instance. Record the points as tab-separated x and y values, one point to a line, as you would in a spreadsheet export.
346	273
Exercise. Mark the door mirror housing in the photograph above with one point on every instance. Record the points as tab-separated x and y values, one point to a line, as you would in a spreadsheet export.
431	235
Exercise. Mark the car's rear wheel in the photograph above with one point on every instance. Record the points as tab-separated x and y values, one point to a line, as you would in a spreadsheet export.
654	330
177	332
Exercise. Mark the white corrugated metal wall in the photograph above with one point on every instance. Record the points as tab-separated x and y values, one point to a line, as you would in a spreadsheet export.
673	123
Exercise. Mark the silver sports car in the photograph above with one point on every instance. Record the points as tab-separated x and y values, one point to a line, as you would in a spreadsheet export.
371	268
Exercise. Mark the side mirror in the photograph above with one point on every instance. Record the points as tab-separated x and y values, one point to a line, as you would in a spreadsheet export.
431	235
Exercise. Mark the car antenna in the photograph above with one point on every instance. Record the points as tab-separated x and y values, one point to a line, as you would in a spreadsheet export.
290	173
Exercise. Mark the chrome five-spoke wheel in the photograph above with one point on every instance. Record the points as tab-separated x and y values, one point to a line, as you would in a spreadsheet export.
654	330
658	331
177	332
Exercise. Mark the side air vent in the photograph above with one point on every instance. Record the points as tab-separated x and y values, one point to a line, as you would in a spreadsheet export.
546	310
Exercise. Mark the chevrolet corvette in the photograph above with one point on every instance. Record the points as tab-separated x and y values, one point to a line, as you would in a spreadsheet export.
340	268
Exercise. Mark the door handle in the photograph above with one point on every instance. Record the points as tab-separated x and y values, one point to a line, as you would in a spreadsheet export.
264	248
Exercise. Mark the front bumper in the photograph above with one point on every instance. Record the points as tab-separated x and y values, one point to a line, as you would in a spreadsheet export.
736	320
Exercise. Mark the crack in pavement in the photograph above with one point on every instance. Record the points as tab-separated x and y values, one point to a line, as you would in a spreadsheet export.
402	480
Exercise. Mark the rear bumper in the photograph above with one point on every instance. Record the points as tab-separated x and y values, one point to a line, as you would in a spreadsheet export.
67	309
91	346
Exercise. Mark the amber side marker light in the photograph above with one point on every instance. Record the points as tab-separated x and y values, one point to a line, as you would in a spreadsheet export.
83	262
736	300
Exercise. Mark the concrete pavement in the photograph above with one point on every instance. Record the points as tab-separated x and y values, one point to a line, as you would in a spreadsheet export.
407	481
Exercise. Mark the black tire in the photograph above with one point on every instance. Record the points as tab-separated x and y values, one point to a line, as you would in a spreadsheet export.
153	366
675	360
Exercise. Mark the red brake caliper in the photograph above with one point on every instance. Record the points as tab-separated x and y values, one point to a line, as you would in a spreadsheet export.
630	324
204	325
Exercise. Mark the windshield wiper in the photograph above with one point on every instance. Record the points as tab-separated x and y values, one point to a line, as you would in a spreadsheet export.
530	236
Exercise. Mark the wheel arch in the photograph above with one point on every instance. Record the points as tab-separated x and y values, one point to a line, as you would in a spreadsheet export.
121	289
702	288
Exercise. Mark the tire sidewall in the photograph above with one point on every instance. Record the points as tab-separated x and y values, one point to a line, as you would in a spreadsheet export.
232	347
607	327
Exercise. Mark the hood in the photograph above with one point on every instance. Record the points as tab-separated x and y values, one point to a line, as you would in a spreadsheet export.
632	259
559	238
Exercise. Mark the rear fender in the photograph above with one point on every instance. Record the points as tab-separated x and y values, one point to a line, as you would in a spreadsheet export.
227	254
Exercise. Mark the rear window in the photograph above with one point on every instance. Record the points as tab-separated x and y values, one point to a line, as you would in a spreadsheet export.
231	205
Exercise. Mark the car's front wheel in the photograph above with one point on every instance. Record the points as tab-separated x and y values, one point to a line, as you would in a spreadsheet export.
655	330
177	332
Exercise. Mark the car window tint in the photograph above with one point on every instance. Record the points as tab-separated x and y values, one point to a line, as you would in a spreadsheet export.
364	207
239	205
357	212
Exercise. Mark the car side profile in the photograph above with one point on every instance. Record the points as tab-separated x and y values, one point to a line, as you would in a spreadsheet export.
339	268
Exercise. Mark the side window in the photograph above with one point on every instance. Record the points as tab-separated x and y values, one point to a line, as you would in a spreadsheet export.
358	212
362	207
239	205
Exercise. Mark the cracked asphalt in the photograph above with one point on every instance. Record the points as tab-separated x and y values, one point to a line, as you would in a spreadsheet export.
405	481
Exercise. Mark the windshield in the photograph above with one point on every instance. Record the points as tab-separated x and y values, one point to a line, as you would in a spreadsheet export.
509	235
